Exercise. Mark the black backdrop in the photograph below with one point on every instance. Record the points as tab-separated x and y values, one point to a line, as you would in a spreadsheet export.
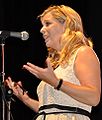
20	15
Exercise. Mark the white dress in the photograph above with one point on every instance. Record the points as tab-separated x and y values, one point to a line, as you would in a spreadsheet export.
48	95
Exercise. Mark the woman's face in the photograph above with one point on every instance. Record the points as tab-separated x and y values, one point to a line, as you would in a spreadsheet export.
52	31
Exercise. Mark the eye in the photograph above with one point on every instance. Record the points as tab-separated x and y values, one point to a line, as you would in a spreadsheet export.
47	23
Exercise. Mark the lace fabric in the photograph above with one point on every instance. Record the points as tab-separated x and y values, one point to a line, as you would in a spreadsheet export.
48	95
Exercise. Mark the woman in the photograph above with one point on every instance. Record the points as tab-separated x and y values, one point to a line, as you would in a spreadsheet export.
71	82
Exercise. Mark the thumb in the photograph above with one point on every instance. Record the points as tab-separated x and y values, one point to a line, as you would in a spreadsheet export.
49	64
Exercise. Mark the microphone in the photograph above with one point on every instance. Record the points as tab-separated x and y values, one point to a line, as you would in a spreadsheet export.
22	35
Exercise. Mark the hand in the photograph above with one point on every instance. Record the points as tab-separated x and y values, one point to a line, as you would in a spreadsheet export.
45	74
17	88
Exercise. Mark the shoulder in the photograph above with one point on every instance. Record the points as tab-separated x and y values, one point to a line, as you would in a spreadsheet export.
87	53
86	50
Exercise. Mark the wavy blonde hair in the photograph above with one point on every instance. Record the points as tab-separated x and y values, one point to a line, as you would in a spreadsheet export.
73	36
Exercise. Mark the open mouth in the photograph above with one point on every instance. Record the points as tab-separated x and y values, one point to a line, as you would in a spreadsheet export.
46	38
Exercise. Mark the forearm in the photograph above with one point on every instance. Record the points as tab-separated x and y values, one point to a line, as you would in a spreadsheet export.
31	103
85	94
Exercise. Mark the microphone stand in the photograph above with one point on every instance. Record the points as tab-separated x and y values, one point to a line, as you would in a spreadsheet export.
3	89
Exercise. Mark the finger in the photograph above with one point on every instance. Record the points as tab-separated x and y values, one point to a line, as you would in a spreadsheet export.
35	73
9	82
49	63
19	82
30	69
33	66
33	69
29	64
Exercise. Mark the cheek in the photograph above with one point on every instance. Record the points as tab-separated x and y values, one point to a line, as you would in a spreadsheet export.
57	32
55	39
58	35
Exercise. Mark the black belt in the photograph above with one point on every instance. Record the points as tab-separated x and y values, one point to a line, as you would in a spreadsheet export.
69	109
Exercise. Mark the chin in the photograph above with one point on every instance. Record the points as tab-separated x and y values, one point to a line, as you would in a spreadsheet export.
48	45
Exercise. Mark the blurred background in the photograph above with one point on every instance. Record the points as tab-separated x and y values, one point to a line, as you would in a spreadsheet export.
21	15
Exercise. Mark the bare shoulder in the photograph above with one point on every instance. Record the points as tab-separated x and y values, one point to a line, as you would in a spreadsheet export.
86	50
86	53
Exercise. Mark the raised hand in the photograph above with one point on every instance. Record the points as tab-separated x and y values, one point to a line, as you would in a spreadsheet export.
45	74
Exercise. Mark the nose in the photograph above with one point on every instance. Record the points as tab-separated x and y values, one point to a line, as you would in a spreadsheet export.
42	30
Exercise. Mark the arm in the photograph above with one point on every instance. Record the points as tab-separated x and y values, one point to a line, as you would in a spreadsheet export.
87	70
31	103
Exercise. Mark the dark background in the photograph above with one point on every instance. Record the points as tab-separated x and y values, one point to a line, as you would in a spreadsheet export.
20	15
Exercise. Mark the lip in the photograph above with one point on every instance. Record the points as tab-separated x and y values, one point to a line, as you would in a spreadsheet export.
45	37
46	40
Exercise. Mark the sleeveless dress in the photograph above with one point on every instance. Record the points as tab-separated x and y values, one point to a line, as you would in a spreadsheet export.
48	95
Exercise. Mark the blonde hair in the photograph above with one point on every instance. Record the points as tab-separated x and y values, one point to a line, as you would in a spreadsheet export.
73	36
